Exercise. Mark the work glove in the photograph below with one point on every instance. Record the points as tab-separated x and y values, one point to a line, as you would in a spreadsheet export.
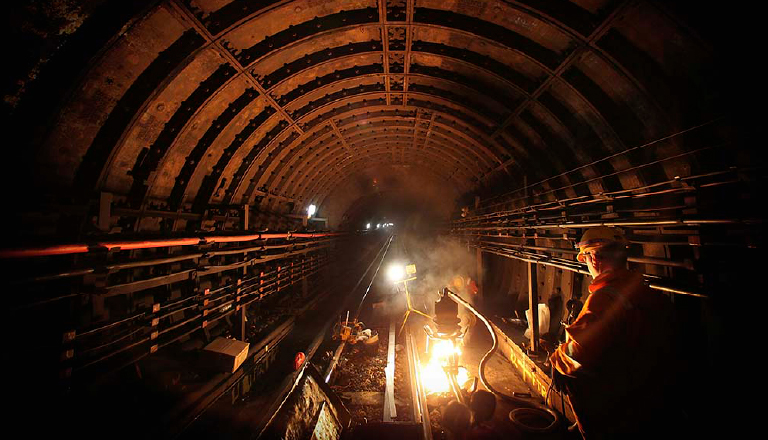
546	345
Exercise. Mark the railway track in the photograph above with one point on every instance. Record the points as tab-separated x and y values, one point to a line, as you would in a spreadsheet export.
251	410
381	387
377	379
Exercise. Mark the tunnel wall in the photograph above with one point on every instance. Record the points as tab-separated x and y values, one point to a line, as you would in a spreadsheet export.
200	106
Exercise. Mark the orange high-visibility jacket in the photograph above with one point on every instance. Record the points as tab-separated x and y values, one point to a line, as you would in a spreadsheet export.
616	349
616	314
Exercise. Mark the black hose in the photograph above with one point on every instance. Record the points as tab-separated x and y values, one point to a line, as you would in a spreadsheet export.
487	356
489	353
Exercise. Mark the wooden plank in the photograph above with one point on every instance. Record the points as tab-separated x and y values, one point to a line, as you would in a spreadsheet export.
532	374
533	305
390	411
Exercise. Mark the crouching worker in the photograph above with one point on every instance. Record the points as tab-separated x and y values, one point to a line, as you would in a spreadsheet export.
615	359
483	405
456	419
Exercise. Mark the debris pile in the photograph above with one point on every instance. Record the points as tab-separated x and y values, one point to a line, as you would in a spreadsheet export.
360	378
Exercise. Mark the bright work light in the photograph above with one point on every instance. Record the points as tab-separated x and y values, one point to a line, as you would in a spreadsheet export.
396	272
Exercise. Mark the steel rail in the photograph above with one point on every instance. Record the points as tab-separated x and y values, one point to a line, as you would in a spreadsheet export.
418	393
383	252
290	381
390	411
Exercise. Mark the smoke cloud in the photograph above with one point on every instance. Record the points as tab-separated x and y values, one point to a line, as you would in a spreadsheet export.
438	260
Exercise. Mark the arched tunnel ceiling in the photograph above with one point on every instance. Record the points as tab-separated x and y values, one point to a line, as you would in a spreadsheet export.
200	102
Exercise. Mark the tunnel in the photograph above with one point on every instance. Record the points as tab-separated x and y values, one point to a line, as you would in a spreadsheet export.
263	218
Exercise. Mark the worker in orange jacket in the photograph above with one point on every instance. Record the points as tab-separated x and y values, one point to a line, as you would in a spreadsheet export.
615	363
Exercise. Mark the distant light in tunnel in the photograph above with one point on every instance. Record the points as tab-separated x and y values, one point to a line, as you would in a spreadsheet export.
378	225
311	210
367	226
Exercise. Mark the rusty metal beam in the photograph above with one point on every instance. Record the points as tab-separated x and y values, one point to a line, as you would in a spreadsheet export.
320	169
347	172
476	131
410	5
370	158
360	112
190	18
363	144
573	56
457	135
382	5
319	184
338	134
401	142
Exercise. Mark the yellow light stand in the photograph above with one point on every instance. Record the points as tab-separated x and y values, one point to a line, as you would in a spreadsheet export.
410	271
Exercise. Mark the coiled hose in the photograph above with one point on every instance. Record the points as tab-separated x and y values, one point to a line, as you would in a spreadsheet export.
527	405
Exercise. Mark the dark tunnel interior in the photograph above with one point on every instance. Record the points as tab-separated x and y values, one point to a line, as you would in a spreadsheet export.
202	196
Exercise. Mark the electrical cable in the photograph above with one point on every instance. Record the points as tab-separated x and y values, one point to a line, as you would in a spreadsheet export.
598	198
615	173
647	144
527	405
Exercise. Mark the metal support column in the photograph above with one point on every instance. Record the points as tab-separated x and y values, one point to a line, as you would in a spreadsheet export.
105	211
243	335
533	305
533	288
479	276
305	286
241	328
479	266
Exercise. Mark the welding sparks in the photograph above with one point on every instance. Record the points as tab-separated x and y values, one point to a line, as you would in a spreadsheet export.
433	375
